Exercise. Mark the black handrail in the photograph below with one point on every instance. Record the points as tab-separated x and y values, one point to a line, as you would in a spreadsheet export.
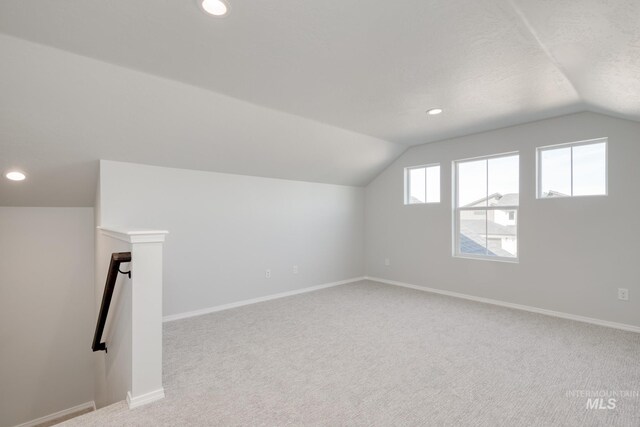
114	268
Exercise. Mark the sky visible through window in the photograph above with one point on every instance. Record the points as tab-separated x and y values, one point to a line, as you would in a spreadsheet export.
424	184
589	170
474	184
433	184
417	185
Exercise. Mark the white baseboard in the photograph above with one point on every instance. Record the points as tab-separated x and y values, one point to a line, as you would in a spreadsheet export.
144	399
208	310
59	414
544	311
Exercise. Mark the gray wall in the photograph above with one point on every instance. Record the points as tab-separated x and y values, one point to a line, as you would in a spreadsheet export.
226	230
574	252
46	311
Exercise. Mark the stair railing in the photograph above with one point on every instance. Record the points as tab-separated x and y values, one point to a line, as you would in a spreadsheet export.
114	268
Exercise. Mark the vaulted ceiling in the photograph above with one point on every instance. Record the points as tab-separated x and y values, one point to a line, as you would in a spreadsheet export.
333	90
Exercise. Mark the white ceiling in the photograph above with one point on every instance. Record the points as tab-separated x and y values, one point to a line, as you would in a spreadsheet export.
368	66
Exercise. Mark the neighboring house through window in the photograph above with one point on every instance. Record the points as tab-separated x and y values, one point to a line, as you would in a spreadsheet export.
486	198
487	192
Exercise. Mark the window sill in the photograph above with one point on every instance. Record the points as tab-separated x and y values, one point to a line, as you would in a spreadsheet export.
422	204
488	258
577	196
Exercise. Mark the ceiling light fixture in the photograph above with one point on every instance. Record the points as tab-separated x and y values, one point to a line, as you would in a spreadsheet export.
434	111
215	7
15	176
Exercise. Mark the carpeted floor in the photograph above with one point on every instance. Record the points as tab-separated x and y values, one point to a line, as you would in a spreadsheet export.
379	355
64	418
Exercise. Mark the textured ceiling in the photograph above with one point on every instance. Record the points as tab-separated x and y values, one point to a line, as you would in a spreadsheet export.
367	66
596	44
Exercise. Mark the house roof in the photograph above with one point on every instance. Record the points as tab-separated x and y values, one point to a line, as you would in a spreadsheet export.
553	193
471	245
477	226
496	199
509	199
473	242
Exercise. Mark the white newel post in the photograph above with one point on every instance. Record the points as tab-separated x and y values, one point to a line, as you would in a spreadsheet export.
146	312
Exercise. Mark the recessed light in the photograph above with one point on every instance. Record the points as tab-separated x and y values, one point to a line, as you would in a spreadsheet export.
15	176
215	7
434	111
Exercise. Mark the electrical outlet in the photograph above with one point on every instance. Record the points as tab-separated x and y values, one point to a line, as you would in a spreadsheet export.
623	294
267	273
295	269
387	261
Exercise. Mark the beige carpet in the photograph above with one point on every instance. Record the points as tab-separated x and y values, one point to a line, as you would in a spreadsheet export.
378	355
64	418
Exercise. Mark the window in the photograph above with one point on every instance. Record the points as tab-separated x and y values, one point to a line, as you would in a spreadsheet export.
422	185
486	207
576	169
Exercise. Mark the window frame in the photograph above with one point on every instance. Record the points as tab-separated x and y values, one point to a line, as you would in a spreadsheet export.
540	150
456	209
407	184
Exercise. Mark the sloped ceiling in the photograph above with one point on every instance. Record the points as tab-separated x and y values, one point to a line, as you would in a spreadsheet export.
360	72
60	113
596	45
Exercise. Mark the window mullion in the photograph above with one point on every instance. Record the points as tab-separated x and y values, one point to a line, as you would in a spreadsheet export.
486	212
425	184
475	248
409	187
572	171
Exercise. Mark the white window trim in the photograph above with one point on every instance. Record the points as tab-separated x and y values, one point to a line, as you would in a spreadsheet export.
540	150
456	221
407	184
